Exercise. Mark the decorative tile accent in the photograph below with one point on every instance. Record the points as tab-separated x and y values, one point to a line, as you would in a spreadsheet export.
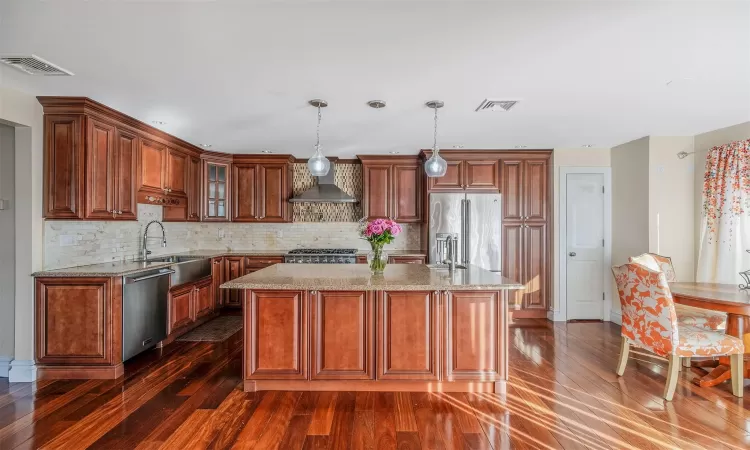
346	176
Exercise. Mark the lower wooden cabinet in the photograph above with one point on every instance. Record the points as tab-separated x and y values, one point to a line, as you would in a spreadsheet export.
217	273
276	335
233	268
341	335
475	336
408	335
188	304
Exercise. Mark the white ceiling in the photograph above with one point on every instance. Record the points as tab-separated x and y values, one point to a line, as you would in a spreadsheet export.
238	74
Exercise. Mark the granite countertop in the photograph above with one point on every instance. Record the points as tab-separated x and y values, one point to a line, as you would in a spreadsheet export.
118	268
347	277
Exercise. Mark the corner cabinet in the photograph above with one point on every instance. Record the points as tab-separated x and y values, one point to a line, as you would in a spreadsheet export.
393	188
261	188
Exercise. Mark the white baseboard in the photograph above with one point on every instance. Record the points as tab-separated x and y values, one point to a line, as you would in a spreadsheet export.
5	366
616	317
22	371
556	316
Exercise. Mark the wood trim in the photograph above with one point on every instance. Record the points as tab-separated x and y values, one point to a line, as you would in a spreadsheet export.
262	159
470	154
45	372
87	106
371	385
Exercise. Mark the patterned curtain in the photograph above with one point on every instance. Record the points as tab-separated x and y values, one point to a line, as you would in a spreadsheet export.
725	230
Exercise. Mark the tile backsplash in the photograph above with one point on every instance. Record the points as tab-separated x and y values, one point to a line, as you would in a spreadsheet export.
75	243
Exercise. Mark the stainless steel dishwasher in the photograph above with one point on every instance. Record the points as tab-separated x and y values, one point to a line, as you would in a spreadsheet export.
144	310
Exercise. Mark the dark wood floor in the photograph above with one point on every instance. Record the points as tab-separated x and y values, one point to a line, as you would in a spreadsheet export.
563	393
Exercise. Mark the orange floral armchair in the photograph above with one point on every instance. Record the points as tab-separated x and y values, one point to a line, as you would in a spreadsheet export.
649	321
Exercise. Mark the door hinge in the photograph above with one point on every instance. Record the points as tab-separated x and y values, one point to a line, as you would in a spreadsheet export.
602	189
602	242
603	296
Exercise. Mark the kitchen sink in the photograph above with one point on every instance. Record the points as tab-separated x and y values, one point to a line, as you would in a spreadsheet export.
187	269
444	266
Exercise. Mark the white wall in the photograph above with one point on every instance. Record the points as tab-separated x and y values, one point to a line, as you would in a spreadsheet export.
630	194
568	157
25	113
671	203
702	144
7	246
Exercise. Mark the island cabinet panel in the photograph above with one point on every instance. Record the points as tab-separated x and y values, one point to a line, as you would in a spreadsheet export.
342	339
276	338
474	341
63	167
78	331
408	335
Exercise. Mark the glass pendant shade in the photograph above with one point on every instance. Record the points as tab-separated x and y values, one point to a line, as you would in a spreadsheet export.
318	164
436	166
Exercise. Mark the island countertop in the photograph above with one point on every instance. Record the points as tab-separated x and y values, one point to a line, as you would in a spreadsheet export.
348	277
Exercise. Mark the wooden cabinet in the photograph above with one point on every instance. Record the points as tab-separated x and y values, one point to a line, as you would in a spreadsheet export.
405	259
216	191
341	338
525	240
73	324
408	335
99	181
203	298
217	274
188	304
63	166
392	188
261	190
474	336
194	190
276	335
152	175
467	171
178	167
125	174
233	268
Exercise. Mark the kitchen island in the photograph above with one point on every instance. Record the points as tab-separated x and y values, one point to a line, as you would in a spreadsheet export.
337	327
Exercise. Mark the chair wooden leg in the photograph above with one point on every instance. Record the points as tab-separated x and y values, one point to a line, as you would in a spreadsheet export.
738	377
624	351
673	373
686	362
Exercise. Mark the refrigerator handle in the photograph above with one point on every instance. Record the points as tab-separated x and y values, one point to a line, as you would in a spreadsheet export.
467	233
463	228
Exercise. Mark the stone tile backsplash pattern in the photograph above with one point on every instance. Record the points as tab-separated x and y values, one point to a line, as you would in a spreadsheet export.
346	176
76	243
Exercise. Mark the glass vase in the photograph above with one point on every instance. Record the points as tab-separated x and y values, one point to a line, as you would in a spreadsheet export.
377	258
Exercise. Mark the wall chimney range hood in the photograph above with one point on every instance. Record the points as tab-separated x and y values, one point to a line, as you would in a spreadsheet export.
325	191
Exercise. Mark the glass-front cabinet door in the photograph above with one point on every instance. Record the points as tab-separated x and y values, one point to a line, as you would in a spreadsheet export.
215	200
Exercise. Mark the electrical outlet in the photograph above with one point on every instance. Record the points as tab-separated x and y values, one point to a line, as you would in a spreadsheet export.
221	233
67	240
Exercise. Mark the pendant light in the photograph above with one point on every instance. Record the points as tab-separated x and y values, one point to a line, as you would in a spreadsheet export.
435	166
318	164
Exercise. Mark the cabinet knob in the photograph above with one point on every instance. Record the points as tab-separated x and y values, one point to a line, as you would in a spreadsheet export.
313	292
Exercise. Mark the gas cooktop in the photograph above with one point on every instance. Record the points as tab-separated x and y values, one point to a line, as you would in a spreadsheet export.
322	256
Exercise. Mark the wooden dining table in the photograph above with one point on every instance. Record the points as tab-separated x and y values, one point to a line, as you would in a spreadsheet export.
726	298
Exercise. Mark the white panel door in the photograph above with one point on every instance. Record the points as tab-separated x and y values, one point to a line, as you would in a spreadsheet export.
585	245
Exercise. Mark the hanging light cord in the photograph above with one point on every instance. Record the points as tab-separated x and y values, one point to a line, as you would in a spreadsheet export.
317	145
434	135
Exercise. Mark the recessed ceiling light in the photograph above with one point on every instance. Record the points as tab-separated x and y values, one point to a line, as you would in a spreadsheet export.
206	145
520	146
587	145
158	122
459	146
266	151
394	153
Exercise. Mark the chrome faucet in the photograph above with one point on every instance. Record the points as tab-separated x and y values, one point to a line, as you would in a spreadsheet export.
451	247
145	250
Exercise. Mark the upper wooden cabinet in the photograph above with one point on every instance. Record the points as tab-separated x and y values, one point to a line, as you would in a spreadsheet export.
524	188
216	187
392	188
261	188
194	189
468	170
97	160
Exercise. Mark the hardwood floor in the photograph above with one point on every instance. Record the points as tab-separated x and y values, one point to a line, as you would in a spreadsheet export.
563	393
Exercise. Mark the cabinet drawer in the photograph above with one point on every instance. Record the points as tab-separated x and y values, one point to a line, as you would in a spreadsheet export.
406	260
261	262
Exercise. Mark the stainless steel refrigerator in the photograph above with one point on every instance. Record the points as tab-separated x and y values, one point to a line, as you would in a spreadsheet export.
476	219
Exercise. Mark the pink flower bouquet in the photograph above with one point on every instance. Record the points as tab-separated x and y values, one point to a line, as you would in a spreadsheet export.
378	233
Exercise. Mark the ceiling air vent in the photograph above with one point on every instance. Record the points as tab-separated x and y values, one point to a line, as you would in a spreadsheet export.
489	104
34	65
